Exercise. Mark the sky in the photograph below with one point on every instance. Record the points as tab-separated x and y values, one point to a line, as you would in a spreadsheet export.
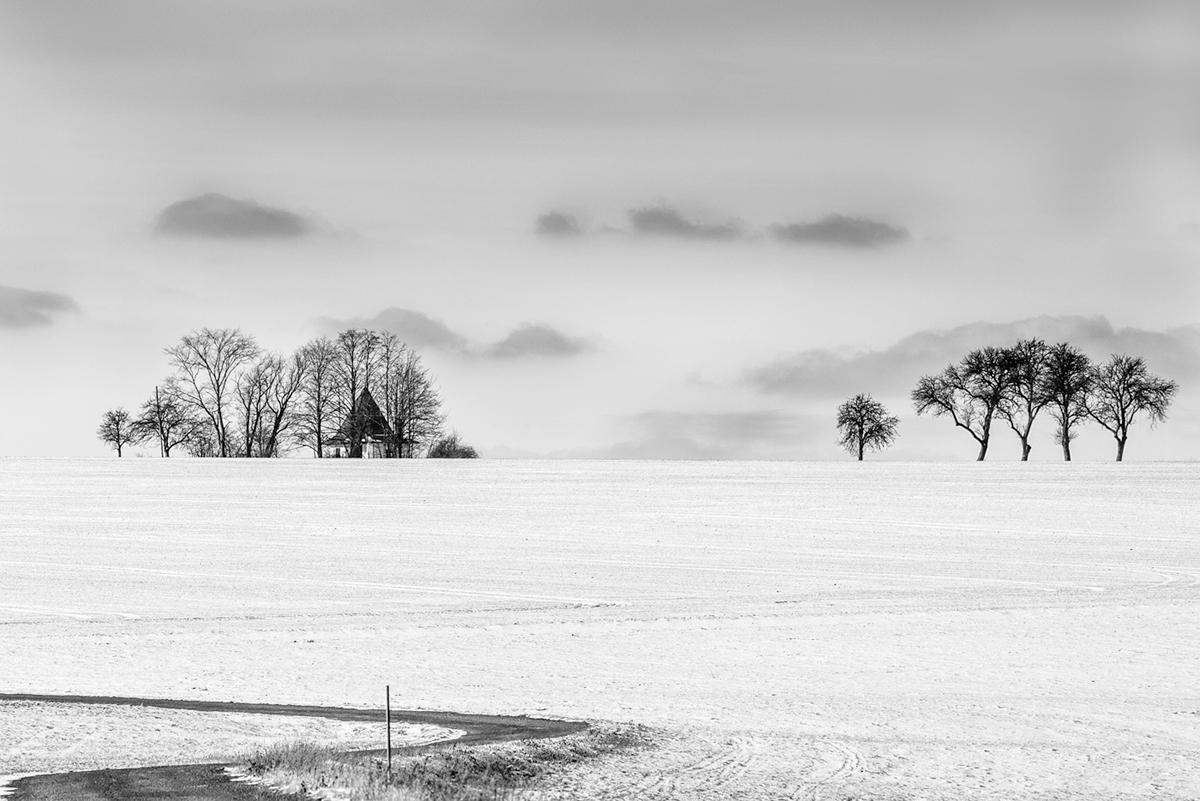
611	229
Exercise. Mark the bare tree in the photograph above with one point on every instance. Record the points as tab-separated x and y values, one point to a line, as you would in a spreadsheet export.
283	400
968	392
165	419
117	429
864	423
355	367
390	364
1025	395
203	443
414	405
318	392
208	363
1065	388
1122	388
267	395
251	395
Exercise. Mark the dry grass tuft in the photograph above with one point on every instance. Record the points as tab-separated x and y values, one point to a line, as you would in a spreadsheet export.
495	772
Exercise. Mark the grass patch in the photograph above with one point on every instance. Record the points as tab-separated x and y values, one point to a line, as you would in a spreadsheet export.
495	772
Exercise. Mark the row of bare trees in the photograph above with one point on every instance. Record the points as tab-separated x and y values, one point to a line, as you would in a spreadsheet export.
226	396
1016	384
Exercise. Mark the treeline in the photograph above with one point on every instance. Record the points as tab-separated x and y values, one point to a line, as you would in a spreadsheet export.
1015	385
228	397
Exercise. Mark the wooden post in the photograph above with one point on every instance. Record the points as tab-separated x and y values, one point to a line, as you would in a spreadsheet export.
388	721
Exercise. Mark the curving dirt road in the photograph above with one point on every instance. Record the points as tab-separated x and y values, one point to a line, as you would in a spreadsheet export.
209	782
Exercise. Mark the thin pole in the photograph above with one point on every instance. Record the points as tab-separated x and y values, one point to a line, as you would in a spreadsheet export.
388	720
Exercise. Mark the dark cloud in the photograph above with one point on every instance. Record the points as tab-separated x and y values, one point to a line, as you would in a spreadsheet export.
556	223
665	221
892	372
219	216
413	327
837	229
26	308
536	340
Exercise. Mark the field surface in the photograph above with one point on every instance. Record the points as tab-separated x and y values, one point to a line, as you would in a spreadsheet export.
793	630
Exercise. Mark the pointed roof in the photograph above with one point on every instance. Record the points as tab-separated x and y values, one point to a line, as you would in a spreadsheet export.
366	420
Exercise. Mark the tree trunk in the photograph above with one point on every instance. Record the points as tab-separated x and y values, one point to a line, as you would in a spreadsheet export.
985	438
861	445
1120	448
1025	449
158	412
1066	449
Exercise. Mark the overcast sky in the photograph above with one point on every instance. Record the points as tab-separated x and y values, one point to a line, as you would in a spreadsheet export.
632	229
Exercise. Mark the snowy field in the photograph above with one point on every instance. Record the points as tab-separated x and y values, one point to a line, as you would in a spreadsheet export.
924	631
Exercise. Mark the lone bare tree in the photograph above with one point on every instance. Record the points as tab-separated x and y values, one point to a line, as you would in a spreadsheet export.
208	363
864	423
968	392
117	429
1067	382
1122	388
165	419
1025	395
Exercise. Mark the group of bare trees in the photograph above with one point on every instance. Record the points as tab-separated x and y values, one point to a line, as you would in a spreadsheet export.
226	396
1015	385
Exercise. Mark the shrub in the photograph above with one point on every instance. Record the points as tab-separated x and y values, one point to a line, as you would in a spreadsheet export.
451	446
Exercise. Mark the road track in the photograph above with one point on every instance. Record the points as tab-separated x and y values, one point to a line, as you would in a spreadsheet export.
210	782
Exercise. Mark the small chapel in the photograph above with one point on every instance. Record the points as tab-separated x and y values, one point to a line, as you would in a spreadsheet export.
364	434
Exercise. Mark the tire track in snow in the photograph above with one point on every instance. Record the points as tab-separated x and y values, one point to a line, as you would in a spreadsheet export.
848	762
721	765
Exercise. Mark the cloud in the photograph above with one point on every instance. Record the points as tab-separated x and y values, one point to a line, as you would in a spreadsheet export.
27	308
666	221
415	328
826	374
663	220
556	223
221	217
709	435
837	229
537	340
421	331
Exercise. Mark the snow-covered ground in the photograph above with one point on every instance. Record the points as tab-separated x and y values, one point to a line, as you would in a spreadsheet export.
796	630
50	737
